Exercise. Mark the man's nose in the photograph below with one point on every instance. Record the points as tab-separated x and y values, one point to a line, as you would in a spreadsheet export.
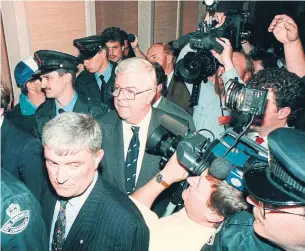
44	83
61	175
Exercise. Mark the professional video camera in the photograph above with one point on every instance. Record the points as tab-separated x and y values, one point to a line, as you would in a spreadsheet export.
200	64
196	152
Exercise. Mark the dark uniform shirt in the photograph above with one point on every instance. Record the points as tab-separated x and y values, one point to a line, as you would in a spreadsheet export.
22	226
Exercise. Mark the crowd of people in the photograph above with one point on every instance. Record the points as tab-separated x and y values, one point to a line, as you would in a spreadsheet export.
76	174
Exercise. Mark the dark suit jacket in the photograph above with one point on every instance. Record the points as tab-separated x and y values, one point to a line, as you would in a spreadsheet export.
108	220
170	107
47	111
23	122
86	86
22	156
178	93
112	165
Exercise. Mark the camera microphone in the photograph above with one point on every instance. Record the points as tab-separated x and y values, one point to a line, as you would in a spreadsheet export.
131	38
181	41
220	168
172	125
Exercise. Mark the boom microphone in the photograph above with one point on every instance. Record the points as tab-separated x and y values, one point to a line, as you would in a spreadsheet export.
173	125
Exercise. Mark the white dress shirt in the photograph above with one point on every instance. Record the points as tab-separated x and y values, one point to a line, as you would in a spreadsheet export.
128	133
73	207
169	78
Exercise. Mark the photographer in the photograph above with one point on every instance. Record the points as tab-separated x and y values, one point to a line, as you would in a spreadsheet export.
208	201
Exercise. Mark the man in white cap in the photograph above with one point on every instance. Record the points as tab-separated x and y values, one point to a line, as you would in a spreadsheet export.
31	97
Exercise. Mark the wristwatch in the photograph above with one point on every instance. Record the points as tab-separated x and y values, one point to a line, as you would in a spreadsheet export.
159	179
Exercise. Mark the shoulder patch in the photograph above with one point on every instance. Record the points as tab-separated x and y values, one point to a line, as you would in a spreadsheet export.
18	220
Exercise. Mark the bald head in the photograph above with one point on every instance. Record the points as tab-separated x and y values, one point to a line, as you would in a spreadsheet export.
243	65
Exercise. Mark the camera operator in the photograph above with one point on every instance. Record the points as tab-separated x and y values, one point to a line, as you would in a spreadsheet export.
208	201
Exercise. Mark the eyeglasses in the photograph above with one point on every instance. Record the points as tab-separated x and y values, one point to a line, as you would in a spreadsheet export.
262	210
127	92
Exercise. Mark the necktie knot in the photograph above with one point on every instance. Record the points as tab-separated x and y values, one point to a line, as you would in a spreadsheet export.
63	204
135	129
102	78
60	110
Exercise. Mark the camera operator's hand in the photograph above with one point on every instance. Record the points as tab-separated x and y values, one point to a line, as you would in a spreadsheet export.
135	43
284	29
174	171
218	16
225	58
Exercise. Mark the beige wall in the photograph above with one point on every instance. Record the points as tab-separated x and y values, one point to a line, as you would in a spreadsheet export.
54	25
5	70
117	14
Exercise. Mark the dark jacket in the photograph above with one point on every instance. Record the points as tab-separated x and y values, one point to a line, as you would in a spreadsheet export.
86	86
107	221
22	156
113	162
47	111
178	93
29	232
237	234
23	122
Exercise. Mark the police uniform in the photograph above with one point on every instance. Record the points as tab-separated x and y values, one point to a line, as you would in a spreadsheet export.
22	226
87	83
49	61
281	183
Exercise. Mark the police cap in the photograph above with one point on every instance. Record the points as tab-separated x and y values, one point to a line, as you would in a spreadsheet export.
89	46
49	61
283	182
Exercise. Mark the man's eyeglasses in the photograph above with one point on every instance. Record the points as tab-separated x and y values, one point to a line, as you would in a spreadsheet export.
262	209
127	92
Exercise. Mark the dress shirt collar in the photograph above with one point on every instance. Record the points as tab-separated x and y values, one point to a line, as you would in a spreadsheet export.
69	107
169	78
106	74
155	105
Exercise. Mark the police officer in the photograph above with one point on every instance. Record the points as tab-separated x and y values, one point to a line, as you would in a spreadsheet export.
22	226
277	193
94	82
32	96
57	71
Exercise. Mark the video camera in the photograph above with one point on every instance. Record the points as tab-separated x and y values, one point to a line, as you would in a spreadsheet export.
200	64
196	152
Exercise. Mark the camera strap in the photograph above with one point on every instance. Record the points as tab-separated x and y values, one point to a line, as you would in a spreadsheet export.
220	93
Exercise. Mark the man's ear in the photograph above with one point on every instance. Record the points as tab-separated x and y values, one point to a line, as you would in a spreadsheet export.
169	59
214	218
98	157
159	87
284	112
123	47
67	78
30	86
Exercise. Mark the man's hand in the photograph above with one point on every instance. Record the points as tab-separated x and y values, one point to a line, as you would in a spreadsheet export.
284	29
135	43
174	171
218	16
225	58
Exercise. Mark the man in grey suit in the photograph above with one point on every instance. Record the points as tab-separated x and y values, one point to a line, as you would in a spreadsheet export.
161	102
125	131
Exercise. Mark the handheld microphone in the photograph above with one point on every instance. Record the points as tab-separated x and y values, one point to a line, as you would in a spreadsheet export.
131	38
173	125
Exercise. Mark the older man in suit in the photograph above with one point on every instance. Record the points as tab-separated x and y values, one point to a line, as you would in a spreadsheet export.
126	164
82	211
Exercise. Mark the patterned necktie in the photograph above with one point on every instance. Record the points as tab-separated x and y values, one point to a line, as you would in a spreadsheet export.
60	110
103	88
132	160
60	227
